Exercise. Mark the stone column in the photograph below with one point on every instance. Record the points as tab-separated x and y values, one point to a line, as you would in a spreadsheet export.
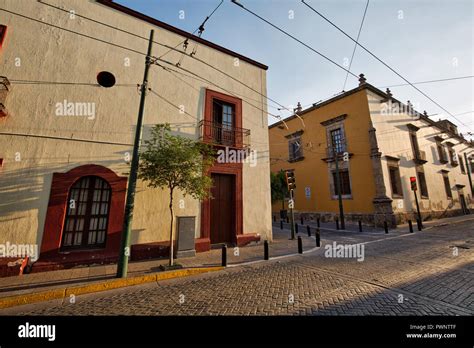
382	203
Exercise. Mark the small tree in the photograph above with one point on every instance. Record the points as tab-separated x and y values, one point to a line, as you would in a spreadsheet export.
176	162
279	189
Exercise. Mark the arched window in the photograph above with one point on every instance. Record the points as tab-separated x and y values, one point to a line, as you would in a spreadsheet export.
87	214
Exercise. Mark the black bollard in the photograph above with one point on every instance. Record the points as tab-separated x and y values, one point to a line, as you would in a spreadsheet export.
274	218
360	226
308	229
410	226
300	245
287	220
296	228
418	222
318	222
281	224
337	224
224	255
317	234
385	226
302	220
265	250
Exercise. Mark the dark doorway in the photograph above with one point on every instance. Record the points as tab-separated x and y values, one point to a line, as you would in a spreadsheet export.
223	209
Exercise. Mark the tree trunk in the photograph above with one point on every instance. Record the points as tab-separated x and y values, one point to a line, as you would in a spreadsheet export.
171	227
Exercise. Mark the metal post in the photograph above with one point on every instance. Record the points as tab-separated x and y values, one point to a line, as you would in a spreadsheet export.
420	224
292	217
360	226
281	224
296	228
224	255
318	222
385	226
265	250
410	226
337	223
469	169
308	229
317	234
339	193
124	251
300	245
301	220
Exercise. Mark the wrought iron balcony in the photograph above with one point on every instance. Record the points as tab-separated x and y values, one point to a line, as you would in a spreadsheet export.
221	134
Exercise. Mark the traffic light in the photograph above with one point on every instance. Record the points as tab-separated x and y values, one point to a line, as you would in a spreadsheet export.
413	183
290	180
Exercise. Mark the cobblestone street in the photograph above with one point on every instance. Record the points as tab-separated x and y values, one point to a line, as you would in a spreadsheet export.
423	273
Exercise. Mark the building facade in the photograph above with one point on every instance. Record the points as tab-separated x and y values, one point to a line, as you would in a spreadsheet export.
69	103
381	143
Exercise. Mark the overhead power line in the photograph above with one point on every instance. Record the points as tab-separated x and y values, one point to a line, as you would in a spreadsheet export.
138	52
355	46
293	37
64	138
385	64
430	81
36	82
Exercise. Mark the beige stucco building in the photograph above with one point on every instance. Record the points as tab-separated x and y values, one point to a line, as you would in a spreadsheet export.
381	143
65	137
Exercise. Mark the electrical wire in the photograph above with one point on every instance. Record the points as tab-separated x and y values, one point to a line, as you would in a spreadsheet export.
355	46
385	64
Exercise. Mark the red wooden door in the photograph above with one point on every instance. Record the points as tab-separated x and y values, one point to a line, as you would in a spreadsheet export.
222	209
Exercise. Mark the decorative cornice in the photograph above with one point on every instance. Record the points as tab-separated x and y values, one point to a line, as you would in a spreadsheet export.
391	158
334	120
412	127
294	134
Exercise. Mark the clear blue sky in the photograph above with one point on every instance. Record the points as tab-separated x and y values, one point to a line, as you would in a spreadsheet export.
421	39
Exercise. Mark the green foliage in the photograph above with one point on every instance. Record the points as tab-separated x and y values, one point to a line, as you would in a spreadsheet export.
176	162
279	188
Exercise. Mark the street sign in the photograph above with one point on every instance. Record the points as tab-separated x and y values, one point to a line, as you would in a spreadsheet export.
291	204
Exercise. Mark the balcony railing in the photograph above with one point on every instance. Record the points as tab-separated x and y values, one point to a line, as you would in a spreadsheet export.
219	134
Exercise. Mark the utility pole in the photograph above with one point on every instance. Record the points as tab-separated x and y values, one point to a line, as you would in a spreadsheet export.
338	185
124	251
291	183
469	169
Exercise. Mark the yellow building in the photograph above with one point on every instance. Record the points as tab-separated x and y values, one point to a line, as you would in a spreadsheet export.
380	143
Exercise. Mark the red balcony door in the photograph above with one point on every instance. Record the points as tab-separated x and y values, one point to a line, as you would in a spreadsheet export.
222	224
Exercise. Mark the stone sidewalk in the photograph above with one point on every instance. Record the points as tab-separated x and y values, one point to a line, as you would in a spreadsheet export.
280	247
77	276
354	227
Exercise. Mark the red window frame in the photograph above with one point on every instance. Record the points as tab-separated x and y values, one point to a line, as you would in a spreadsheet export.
3	34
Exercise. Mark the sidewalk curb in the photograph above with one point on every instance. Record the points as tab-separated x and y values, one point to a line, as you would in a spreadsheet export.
18	300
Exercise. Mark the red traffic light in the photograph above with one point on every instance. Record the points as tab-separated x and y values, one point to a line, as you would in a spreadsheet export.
412	179
413	183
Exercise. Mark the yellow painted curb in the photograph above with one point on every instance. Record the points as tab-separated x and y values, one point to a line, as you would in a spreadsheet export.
54	294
